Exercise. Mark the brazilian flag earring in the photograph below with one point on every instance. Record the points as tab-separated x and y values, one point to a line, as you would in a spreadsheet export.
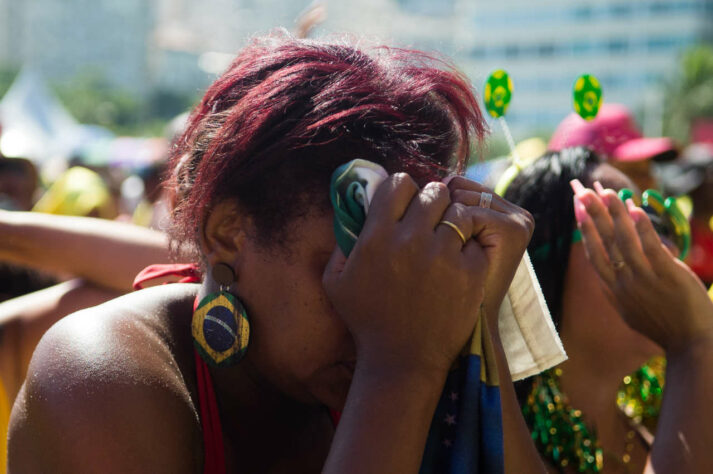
220	325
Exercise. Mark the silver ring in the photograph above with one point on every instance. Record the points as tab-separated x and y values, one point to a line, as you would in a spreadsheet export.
485	200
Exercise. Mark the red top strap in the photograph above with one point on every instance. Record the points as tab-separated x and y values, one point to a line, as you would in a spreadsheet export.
189	272
213	450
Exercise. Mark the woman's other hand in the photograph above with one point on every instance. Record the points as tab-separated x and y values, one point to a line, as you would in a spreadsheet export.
411	289
656	294
503	229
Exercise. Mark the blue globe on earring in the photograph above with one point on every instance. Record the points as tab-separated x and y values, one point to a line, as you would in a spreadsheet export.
221	329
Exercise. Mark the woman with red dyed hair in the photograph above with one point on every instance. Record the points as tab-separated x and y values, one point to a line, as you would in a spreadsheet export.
120	388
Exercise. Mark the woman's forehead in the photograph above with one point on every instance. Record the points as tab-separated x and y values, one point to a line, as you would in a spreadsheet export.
611	178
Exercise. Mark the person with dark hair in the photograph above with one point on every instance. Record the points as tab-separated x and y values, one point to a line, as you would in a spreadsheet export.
240	372
692	175
618	297
18	183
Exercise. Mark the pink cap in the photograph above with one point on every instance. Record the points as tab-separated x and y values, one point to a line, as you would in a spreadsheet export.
613	134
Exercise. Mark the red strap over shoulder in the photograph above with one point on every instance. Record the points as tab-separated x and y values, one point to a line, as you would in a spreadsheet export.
189	272
214	452
214	462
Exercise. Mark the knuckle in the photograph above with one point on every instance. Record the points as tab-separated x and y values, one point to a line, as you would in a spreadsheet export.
404	180
461	182
456	183
528	222
436	191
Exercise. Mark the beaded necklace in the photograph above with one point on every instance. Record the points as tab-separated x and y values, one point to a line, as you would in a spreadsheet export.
563	438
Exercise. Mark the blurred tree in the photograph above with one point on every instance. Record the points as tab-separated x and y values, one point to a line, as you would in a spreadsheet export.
164	104
7	75
689	96
92	99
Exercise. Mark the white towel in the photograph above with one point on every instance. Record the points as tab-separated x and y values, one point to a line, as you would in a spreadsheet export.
528	335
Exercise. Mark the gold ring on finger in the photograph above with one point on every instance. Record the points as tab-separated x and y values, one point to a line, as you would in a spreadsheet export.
456	228
618	264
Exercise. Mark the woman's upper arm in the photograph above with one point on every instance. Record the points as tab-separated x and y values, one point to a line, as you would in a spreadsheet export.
84	408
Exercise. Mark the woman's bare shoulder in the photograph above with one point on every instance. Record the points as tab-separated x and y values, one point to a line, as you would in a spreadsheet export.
106	387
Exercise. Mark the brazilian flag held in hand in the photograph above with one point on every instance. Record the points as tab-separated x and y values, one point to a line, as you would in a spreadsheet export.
466	434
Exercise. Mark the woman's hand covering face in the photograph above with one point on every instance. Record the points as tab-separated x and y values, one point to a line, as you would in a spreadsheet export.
656	294
503	230
411	290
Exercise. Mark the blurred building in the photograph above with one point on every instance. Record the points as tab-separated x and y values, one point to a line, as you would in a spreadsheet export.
180	45
63	38
195	41
630	45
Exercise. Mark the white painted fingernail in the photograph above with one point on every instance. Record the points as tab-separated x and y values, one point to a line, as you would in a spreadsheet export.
577	186
599	188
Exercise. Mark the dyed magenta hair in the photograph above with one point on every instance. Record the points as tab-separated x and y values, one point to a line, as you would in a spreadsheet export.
270	131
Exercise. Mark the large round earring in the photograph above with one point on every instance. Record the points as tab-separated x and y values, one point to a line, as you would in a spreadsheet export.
220	325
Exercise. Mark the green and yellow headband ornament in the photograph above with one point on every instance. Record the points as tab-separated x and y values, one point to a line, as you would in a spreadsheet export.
497	94
587	99
587	95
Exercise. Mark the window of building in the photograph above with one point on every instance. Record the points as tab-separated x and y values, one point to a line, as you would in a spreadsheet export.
661	43
546	50
478	52
583	13
512	51
618	46
582	47
619	10
661	6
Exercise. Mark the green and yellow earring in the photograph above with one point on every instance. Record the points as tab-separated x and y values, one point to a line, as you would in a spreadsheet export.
220	326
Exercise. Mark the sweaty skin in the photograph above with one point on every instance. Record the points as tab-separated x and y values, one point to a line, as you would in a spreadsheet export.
389	321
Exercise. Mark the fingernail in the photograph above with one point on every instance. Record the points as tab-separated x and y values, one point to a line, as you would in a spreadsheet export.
580	212
577	186
630	204
601	192
631	207
599	188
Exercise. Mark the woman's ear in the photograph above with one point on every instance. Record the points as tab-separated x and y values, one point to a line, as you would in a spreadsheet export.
224	233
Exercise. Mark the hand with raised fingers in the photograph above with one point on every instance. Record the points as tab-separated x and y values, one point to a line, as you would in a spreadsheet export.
656	294
503	229
412	287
